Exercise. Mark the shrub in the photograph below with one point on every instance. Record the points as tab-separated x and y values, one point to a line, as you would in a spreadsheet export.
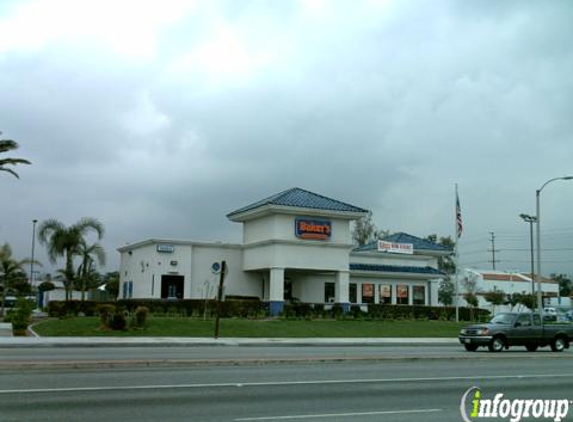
391	312
140	317
61	309
57	309
105	312
233	307
337	311
119	321
356	311
21	316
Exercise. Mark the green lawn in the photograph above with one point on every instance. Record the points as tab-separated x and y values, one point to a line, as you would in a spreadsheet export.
188	327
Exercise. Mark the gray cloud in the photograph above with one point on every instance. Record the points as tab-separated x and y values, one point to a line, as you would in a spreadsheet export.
381	104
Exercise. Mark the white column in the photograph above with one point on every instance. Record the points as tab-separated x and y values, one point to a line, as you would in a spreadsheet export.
341	288
276	290
394	291
410	294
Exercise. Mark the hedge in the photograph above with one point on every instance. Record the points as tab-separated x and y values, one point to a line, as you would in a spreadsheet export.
254	308
244	308
425	312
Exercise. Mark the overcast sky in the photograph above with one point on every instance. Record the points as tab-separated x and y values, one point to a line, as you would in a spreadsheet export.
159	118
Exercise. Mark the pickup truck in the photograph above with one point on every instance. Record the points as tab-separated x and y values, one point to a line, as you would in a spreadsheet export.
516	329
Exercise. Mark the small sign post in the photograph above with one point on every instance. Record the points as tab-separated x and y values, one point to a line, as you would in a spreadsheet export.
222	273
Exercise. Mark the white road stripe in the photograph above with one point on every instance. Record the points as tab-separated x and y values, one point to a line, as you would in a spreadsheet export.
340	415
279	383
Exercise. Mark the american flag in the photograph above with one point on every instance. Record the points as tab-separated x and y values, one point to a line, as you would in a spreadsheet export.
459	225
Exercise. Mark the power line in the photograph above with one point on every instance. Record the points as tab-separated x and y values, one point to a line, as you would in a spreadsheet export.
545	260
544	249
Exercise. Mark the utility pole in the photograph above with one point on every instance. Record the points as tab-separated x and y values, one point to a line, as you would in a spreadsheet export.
220	297
493	250
34	221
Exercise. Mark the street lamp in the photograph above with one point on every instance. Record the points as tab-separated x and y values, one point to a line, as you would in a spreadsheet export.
538	275
531	219
33	247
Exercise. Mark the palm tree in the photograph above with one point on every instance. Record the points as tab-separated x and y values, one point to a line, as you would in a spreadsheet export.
11	270
63	241
86	272
9	145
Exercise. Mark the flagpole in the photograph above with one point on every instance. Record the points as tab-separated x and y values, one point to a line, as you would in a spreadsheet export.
457	234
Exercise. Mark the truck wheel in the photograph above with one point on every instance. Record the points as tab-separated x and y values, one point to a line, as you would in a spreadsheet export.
558	344
470	347
531	347
496	345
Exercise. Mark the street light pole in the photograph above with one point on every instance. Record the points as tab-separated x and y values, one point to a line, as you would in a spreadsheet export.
531	219
34	221
538	275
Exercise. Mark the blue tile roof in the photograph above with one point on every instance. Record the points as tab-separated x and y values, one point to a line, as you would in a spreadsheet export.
395	269
297	197
419	244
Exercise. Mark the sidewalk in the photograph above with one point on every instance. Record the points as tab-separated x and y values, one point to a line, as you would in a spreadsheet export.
6	342
5	329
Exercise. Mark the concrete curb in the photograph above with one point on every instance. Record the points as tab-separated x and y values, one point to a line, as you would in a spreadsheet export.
13	342
162	363
5	329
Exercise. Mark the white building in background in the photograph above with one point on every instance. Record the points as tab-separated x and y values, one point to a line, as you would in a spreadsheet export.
507	282
59	294
296	245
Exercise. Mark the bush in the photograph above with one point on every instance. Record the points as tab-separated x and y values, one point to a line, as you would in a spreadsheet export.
105	313
21	316
119	321
233	307
62	309
421	312
140	317
356	311
253	308
337	310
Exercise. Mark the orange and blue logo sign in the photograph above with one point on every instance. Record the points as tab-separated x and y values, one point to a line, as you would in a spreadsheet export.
307	228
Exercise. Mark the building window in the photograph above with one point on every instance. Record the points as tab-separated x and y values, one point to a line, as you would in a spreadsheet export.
353	293
368	293
402	294
127	290
328	292
419	295
386	294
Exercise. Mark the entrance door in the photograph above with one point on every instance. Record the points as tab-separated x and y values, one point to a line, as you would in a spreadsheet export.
172	286
287	290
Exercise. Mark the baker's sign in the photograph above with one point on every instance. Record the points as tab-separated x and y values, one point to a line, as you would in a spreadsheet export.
307	228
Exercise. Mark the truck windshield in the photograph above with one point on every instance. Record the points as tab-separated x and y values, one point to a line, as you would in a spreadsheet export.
503	319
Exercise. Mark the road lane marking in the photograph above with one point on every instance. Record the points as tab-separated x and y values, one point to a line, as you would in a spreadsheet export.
278	383
338	415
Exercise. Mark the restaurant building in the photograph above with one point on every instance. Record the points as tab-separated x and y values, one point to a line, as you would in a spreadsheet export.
297	245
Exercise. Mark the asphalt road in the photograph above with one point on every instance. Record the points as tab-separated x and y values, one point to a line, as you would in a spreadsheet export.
392	390
84	356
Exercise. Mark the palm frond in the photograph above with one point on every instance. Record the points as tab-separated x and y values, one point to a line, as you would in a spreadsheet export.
8	145
87	223
12	172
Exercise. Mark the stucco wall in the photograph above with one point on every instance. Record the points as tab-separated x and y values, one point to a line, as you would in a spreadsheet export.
310	255
282	227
